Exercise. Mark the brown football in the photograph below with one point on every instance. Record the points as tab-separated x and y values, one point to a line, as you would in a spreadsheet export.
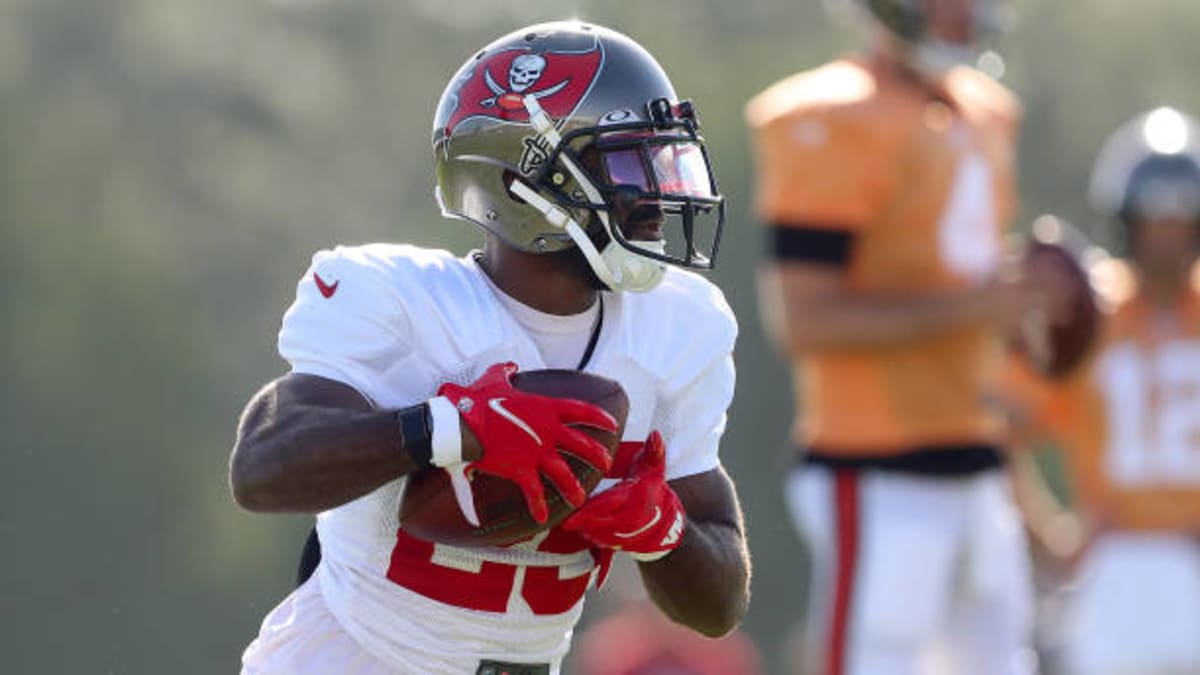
429	510
1058	342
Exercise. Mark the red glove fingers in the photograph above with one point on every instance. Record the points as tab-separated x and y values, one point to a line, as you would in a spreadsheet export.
521	435
580	413
641	514
622	462
576	442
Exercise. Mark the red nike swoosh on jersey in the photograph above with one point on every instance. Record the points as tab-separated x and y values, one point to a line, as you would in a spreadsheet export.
327	290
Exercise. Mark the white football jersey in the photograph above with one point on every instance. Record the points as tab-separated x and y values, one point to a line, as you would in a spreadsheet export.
395	322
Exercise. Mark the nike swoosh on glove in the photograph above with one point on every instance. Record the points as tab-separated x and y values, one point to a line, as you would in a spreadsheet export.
641	514
521	435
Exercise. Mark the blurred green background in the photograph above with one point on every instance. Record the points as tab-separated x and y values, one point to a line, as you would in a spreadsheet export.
166	169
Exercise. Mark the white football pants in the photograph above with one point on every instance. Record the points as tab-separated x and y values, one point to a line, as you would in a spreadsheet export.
1136	610
913	575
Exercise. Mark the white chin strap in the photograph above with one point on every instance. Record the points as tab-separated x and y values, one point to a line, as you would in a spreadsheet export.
618	267
630	271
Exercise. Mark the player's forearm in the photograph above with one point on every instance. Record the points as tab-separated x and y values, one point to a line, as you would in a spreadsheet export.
705	582
1044	515
852	320
311	459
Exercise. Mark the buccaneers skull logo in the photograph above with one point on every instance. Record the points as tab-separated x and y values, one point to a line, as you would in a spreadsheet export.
497	85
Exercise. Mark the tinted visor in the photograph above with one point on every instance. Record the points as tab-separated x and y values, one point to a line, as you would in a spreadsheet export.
661	178
655	182
674	168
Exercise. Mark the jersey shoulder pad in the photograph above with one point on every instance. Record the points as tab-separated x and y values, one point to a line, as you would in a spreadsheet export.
828	143
374	278
838	85
348	316
359	299
843	93
394	261
444	299
696	295
693	326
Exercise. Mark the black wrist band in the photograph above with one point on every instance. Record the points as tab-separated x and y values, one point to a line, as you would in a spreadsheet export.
416	434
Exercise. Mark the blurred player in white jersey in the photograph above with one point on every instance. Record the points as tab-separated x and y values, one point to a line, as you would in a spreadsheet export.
567	143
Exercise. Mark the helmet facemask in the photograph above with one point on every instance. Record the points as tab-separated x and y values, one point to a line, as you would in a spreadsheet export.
643	186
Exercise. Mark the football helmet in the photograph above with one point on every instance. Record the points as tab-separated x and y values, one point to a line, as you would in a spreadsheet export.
907	21
568	134
1149	168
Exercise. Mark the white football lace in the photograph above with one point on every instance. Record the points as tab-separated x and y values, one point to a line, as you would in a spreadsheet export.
462	493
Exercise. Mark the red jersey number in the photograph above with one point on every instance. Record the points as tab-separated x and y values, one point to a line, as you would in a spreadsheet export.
488	589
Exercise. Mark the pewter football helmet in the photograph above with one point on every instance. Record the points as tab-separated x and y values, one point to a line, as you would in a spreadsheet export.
568	134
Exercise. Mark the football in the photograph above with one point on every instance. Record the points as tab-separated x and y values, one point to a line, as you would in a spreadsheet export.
429	509
1056	341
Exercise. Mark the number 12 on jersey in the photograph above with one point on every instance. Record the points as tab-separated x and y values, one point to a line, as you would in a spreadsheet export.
1153	406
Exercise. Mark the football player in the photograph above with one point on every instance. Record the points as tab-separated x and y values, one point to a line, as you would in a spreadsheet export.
887	182
1130	423
567	144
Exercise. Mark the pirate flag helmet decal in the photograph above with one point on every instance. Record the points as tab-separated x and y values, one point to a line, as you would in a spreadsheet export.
565	135
497	86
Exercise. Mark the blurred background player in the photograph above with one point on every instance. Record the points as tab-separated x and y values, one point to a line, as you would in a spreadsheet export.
1052	347
887	180
1130	423
567	144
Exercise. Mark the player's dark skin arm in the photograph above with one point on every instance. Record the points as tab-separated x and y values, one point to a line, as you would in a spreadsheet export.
812	307
307	443
705	582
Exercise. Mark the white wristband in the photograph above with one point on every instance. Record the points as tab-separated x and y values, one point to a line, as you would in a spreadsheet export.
446	436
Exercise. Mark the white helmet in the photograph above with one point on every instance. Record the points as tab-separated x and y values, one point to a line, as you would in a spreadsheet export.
1149	167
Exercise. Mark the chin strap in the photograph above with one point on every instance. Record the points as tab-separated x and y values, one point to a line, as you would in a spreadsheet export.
618	267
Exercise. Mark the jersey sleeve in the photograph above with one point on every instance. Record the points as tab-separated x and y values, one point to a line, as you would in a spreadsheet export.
693	408
348	322
826	169
696	420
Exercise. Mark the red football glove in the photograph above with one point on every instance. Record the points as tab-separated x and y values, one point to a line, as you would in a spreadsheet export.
521	435
641	514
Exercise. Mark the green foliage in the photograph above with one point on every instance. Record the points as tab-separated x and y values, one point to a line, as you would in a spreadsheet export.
166	169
